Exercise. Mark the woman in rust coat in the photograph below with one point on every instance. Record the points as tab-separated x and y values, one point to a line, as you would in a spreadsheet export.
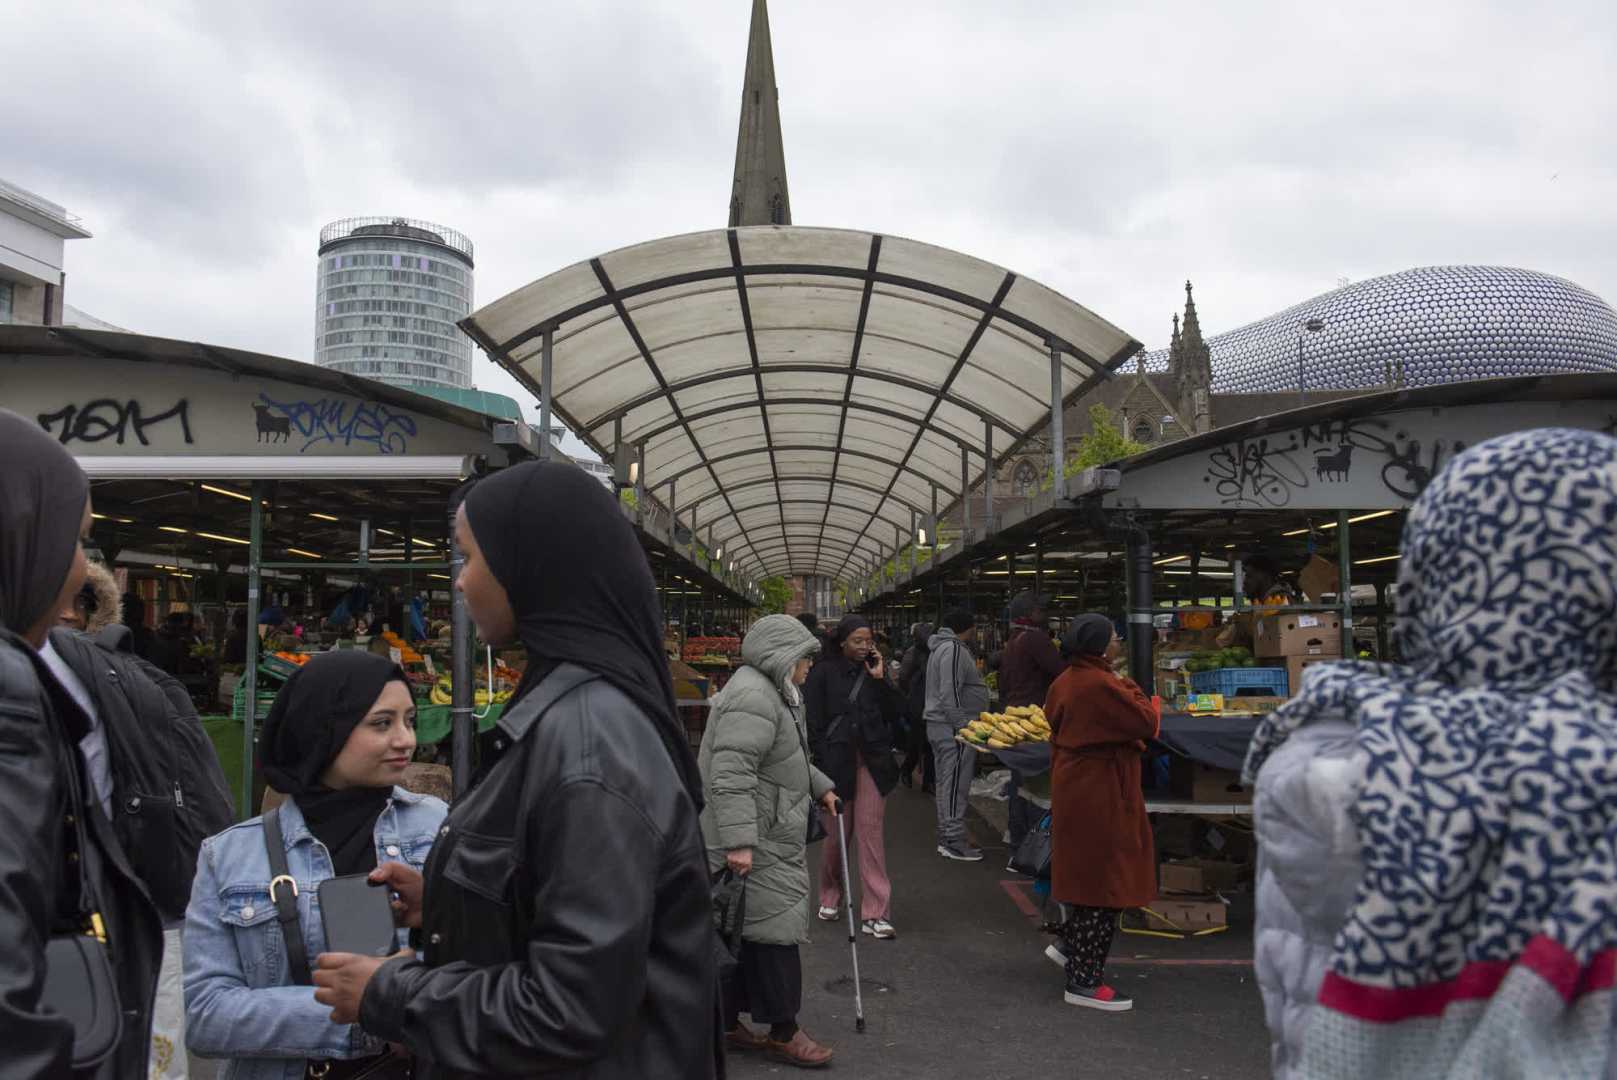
1102	859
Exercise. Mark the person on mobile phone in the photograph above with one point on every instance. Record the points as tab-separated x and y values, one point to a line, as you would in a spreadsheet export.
852	711
336	744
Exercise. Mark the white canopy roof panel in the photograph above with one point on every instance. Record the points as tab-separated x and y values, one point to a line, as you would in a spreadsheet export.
800	391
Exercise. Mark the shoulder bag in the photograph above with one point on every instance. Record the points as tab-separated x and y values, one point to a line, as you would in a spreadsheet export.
284	895
79	980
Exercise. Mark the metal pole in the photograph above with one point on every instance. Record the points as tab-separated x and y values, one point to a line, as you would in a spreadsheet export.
914	545
1058	423
1140	603
255	575
1344	555
673	510
545	384
965	499
988	478
462	725
1381	621
640	484
1038	567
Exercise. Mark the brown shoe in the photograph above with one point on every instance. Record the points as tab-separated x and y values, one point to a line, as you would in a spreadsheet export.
743	1038
801	1051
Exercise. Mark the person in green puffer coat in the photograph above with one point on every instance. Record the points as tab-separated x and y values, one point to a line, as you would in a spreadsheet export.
760	788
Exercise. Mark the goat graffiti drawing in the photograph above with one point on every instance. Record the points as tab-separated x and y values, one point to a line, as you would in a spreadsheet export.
270	426
1329	465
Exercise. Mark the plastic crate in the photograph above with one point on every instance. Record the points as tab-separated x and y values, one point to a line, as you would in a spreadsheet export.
238	703
1241	682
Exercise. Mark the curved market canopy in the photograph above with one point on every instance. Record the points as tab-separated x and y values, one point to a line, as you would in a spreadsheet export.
800	395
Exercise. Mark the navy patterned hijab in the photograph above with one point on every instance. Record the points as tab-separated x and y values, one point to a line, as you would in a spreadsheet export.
1487	817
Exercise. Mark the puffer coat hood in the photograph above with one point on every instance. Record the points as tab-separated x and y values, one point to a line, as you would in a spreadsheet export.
776	643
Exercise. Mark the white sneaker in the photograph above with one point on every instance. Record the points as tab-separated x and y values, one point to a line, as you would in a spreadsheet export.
1055	955
880	929
827	914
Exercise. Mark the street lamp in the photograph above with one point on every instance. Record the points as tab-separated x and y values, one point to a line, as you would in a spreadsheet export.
1313	326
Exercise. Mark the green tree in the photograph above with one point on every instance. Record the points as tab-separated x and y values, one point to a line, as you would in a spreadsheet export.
1104	444
777	593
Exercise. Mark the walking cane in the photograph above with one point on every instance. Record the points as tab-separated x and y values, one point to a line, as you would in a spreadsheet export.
853	931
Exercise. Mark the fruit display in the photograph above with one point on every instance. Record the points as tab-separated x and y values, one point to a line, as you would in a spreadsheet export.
298	658
443	693
1234	657
407	655
1000	731
711	651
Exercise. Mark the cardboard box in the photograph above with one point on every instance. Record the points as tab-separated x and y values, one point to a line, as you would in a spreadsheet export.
1296	665
1198	876
1193	640
1174	834
1257	704
1211	785
1319	577
1297	635
1183	915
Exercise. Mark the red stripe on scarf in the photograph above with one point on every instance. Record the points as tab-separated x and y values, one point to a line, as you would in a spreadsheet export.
1547	959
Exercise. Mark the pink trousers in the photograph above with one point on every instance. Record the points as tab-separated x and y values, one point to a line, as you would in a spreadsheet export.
863	821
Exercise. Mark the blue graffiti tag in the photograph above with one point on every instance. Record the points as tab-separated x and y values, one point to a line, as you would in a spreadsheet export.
341	421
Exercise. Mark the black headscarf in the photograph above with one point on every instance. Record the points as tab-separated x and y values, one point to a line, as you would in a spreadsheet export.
581	589
308	726
1089	635
42	494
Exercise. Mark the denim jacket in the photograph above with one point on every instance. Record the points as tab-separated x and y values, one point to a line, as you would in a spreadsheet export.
240	1002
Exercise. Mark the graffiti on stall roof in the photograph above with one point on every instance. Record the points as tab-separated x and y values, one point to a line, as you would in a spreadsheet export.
1267	470
335	421
108	418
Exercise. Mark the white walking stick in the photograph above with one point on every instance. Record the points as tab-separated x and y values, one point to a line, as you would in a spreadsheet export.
853	931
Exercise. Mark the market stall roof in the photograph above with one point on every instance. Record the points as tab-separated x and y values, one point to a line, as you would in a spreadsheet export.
800	393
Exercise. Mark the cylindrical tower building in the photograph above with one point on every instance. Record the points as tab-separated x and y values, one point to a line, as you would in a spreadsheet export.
389	293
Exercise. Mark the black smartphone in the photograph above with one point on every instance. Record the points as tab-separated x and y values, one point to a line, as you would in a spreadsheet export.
871	660
358	916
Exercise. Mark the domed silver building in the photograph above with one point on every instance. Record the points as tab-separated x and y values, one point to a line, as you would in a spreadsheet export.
1433	324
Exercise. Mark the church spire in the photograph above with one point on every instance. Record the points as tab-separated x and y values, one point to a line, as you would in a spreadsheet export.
1193	328
759	196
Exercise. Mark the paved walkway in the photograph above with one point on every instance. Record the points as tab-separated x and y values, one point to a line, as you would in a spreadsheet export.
968	993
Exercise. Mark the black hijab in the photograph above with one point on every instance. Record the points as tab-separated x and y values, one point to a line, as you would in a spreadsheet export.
42	494
308	725
581	589
1089	635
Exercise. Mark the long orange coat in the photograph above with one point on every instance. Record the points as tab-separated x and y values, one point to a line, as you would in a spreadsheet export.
1102	854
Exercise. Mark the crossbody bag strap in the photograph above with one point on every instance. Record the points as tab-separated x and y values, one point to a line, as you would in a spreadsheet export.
284	894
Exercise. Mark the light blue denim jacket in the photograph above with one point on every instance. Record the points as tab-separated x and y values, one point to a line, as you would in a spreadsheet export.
240	1002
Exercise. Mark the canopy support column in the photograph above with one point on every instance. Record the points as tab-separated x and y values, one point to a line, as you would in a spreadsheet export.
545	386
1058	434
988	478
1344	558
255	577
1381	621
1140	603
965	498
673	511
915	552
461	723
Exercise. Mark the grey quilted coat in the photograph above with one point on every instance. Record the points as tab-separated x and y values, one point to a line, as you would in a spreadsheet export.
759	784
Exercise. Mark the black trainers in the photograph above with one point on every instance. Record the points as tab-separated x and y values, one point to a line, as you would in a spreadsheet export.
1102	997
1057	953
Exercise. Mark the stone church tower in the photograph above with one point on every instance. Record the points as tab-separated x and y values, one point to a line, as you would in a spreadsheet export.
1190	365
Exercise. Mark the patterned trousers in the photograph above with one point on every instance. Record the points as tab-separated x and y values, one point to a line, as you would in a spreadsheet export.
1087	934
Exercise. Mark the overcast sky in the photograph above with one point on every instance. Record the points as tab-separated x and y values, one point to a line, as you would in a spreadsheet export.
1265	151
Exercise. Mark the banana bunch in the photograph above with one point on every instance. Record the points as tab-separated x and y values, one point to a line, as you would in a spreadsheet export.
1000	731
443	693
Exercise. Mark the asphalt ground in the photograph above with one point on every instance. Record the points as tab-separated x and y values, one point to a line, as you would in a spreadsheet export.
966	992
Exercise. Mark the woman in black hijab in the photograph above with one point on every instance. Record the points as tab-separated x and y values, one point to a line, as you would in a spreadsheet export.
336	744
566	915
54	836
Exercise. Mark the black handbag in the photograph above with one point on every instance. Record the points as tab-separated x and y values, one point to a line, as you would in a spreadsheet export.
283	892
729	911
79	981
815	830
1033	854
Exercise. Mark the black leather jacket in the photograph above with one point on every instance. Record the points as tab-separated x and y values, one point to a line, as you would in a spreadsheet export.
567	925
39	731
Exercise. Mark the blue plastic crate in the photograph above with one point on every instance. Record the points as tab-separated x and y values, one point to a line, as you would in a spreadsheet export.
1241	682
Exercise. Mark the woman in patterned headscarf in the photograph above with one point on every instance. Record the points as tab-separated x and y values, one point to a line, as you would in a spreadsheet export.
1438	892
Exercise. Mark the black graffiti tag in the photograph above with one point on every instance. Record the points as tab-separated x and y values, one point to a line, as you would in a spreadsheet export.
105	418
1251	472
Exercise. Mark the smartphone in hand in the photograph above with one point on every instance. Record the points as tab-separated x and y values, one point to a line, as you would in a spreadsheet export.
358	916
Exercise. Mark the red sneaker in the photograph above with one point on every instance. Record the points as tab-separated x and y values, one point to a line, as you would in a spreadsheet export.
1103	998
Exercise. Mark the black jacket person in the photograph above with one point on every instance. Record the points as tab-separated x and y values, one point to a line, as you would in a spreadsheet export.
45	789
567	919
